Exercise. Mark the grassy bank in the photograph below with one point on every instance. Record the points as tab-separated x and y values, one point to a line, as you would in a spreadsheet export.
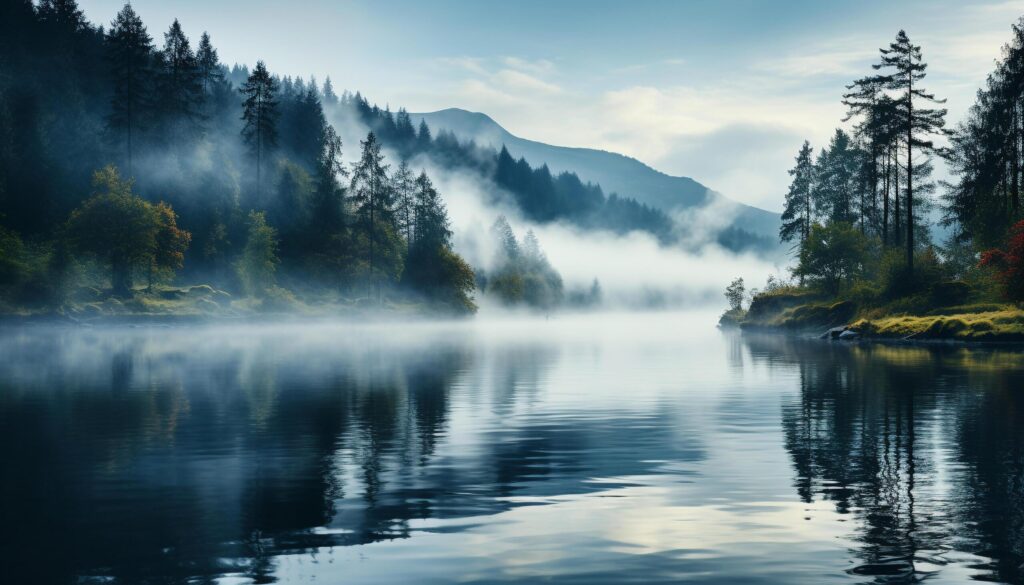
917	319
196	304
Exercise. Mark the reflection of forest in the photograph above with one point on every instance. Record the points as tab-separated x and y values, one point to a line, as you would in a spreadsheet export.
923	446
141	458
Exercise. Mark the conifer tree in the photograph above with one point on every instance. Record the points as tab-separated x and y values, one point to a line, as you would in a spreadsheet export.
423	137
179	87
329	207
798	214
370	192
259	114
433	228
329	97
836	185
405	200
129	49
208	64
906	69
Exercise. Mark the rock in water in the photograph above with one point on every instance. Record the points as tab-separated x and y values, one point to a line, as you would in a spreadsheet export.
833	333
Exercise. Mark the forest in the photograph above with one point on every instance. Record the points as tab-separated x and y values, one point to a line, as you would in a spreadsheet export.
130	161
861	213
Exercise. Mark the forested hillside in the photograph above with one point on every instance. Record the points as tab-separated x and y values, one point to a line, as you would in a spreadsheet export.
235	176
615	173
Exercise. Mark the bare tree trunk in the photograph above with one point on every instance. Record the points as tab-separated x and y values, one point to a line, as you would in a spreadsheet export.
910	176
885	200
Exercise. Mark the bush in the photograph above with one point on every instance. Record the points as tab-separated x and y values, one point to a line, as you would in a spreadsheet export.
1009	263
896	279
949	293
832	256
259	260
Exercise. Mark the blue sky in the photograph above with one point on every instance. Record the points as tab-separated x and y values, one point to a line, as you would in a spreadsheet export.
724	92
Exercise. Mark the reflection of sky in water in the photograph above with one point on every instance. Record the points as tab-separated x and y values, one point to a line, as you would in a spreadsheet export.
630	448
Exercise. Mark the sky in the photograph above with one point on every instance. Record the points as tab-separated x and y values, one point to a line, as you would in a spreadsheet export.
721	91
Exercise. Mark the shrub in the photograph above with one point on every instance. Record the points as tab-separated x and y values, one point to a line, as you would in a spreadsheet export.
1009	263
832	256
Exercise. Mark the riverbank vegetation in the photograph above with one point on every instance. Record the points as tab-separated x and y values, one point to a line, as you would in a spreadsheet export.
860	215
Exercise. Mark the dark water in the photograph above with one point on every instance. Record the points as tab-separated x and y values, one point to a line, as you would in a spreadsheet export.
643	449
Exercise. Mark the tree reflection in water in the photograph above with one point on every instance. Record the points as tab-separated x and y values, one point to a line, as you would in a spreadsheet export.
921	446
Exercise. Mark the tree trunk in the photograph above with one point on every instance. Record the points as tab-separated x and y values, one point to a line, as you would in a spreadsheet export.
910	177
885	202
120	277
897	224
1015	163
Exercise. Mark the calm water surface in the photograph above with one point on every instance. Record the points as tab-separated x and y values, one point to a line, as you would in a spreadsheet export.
616	449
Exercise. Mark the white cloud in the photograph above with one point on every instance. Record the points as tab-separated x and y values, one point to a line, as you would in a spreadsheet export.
733	129
847	57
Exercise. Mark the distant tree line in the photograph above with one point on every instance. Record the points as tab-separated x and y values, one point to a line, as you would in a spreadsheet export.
539	194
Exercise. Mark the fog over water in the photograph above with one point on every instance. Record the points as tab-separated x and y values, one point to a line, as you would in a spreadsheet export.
611	448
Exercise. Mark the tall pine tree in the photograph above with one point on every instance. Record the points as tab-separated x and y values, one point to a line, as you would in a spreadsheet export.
799	212
259	114
180	95
370	192
129	49
905	69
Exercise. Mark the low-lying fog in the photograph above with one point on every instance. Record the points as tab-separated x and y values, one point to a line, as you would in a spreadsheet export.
634	270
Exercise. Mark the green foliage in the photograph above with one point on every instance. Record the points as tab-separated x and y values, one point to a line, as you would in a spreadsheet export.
12	252
833	256
896	280
522	274
258	263
442	277
121	228
735	293
76	98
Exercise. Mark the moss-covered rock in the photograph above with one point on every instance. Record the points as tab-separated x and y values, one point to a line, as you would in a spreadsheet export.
1003	325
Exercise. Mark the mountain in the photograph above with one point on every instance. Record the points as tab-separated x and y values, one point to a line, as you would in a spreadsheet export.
615	173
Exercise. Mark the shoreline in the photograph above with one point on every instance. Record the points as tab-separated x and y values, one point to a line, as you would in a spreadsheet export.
846	321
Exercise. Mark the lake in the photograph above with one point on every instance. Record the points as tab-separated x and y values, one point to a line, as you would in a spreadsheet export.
648	448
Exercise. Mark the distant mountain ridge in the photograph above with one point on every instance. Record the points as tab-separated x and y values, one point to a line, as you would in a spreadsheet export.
616	173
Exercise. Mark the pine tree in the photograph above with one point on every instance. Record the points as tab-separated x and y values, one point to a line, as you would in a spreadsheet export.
370	192
329	208
799	212
423	137
64	15
208	64
433	228
986	154
405	133
836	186
129	49
435	271
180	95
917	120
405	200
259	114
329	97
